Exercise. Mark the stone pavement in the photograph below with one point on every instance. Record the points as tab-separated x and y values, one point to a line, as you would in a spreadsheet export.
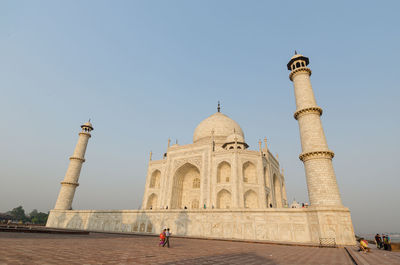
376	256
97	248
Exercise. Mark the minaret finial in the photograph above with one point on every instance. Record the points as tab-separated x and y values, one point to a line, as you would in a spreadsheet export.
295	52
89	119
219	107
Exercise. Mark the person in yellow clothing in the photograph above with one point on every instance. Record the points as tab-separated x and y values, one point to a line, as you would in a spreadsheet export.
364	245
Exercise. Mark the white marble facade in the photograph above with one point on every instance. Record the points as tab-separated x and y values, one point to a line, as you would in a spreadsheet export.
216	171
304	225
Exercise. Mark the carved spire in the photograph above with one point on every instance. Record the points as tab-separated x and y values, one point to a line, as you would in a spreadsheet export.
169	142
265	145
260	145
151	155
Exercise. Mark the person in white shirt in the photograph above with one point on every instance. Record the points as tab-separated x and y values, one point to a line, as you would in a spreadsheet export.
167	235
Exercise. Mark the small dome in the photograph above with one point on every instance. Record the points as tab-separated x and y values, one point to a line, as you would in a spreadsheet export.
87	124
296	56
234	137
222	125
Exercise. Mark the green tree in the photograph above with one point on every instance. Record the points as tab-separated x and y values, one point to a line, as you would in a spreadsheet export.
18	214
33	213
40	218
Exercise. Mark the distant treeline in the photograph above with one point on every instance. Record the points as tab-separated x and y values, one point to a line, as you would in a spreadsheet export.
18	215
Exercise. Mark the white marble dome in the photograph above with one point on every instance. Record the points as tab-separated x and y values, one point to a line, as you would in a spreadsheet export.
235	137
222	125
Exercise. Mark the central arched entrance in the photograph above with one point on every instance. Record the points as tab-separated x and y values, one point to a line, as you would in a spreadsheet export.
186	188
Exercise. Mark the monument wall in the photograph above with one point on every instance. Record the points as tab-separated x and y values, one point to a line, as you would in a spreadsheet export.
305	225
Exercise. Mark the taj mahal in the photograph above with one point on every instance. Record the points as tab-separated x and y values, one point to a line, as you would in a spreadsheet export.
217	188
216	171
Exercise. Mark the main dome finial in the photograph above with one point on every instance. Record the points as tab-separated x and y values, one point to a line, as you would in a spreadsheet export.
219	107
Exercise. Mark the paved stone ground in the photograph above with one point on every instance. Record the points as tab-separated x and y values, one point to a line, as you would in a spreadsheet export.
96	248
376	256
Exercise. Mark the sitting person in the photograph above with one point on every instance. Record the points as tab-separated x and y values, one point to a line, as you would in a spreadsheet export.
364	245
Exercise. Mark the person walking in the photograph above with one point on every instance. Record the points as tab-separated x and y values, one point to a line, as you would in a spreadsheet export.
162	238
167	235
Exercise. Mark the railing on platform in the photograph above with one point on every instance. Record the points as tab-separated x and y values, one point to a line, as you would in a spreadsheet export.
326	242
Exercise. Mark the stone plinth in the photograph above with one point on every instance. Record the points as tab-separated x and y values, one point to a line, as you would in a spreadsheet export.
305	225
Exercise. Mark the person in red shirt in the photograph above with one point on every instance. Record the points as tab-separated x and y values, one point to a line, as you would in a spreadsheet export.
162	237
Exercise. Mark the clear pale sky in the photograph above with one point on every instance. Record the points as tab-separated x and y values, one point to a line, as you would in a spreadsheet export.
144	71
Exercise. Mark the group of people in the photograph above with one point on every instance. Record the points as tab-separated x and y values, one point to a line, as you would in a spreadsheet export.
164	237
383	242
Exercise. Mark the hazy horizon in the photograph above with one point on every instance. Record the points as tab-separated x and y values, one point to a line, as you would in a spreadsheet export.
148	71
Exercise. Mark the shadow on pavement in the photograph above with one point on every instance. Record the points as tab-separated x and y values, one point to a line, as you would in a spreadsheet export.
226	259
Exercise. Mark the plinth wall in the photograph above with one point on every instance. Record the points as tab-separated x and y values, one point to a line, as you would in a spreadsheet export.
306	225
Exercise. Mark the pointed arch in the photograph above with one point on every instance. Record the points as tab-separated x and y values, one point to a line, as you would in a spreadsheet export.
278	191
152	201
224	199
223	172
251	199
183	191
249	173
155	179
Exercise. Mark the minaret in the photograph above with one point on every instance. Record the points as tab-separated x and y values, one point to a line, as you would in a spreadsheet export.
70	182
317	158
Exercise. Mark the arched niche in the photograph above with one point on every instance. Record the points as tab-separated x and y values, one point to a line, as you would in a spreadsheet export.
249	173
251	200
224	172
266	177
184	192
152	201
155	179
224	199
278	191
